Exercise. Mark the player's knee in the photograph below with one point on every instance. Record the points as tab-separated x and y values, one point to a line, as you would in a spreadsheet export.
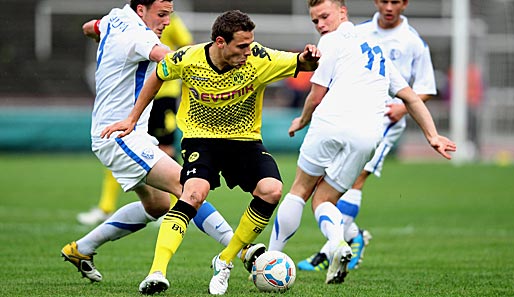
269	190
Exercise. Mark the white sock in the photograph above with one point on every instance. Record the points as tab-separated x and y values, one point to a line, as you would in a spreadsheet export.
126	220
350	233
287	221
349	205
330	222
210	221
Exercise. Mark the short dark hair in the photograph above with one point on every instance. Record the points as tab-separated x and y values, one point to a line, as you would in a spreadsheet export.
229	23
146	3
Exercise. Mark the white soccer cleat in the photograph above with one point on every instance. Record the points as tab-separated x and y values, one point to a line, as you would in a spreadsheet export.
154	283
221	274
338	268
92	217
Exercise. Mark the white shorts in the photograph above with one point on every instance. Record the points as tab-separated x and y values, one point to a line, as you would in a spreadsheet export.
392	132
129	158
337	153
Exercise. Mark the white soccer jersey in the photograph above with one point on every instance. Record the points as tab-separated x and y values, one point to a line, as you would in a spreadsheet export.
358	77
120	74
346	126
408	52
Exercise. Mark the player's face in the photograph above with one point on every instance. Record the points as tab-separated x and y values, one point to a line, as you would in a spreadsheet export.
157	17
327	16
238	50
390	11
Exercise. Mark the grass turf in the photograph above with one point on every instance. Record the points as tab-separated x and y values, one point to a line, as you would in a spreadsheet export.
438	230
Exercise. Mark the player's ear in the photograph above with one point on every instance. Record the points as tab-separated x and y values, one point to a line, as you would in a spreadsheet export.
220	41
139	10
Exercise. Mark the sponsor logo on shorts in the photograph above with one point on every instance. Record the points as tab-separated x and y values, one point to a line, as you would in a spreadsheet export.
148	153
193	157
193	171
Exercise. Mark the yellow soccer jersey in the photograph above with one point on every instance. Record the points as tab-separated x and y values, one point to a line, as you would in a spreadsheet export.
175	35
224	104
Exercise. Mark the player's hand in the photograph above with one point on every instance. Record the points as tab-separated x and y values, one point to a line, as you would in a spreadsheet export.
295	126
309	58
88	29
126	126
443	145
395	111
310	53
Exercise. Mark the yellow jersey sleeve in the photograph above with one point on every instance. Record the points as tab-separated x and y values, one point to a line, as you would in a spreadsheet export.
224	103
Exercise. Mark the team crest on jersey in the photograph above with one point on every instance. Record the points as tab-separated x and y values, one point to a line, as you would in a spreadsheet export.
147	153
238	77
394	54
193	157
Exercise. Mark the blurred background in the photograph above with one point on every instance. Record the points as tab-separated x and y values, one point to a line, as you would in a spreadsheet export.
47	68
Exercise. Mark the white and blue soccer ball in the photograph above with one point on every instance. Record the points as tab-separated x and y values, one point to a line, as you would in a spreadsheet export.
273	271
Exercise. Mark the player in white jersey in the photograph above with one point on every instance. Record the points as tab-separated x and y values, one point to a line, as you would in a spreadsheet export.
345	108
128	48
411	56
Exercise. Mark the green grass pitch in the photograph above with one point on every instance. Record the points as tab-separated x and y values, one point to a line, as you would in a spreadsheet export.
438	230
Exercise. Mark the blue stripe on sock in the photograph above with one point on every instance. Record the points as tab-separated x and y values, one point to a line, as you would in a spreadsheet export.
205	210
277	228
130	227
324	218
347	208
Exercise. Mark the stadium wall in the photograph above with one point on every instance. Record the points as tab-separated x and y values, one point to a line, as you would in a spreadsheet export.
59	129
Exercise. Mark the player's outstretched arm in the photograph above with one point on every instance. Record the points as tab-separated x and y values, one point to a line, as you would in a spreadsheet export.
91	29
423	118
311	102
150	88
308	59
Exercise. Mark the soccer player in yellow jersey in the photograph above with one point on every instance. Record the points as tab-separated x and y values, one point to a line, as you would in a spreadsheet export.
220	115
162	125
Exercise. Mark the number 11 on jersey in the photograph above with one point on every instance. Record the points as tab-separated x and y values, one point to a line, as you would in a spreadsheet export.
371	55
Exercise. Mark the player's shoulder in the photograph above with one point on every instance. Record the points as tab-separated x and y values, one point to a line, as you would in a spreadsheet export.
412	34
263	54
365	27
188	54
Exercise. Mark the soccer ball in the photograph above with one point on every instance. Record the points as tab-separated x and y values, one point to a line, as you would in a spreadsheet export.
273	271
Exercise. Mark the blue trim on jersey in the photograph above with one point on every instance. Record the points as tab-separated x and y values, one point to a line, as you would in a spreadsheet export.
364	22
140	77
130	227
412	29
102	45
131	154
324	218
205	210
348	208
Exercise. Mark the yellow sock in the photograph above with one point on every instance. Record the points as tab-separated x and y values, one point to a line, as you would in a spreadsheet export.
250	226
173	200
110	192
171	233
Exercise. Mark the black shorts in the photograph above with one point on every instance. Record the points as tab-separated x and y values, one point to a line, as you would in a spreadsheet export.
242	163
162	123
